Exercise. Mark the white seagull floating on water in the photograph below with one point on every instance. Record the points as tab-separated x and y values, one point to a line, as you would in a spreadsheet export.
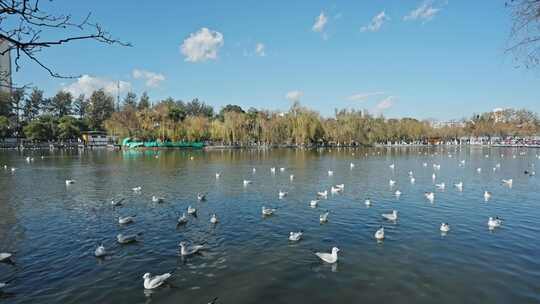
313	203
508	182
267	211
191	210
459	186
100	251
214	219
430	196
126	219
137	189
494	222
186	251
323	194
440	186
282	194
367	202
323	218
5	256
182	220
444	227
330	173
247	182
379	234
397	193
156	199
392	182
487	195
295	236
126	239
391	216
201	196
329	257
70	181
152	282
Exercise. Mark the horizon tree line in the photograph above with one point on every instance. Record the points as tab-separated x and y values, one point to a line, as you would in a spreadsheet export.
63	117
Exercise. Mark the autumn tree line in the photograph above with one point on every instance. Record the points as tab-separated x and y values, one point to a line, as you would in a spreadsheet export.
62	117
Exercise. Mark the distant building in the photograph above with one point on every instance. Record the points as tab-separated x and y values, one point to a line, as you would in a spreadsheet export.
449	123
498	114
5	67
97	138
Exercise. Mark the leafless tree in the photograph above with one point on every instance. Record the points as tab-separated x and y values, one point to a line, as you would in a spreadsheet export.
27	29
525	33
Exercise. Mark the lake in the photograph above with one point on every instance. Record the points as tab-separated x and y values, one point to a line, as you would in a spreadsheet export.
54	228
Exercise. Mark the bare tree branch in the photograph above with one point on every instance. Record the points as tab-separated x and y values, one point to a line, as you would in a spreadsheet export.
23	26
524	41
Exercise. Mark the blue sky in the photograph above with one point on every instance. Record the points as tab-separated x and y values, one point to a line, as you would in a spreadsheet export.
445	60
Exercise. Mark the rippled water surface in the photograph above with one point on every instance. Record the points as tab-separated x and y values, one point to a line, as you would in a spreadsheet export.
53	228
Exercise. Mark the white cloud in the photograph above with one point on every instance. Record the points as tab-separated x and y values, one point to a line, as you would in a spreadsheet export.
87	84
320	23
294	95
151	79
363	96
376	23
202	45
259	49
424	12
385	104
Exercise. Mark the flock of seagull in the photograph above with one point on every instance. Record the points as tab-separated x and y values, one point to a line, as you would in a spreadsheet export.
154	281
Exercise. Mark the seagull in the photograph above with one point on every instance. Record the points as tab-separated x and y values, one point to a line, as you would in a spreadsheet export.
330	173
100	251
156	199
151	282
214	219
411	173
352	165
137	189
424	164
126	220
323	218
430	196
459	186
392	182
186	251
201	197
507	182
335	189
282	194
117	203
70	181
329	257
218	175
391	216
323	194
273	170
392	166
445	227
478	170
254	170
247	182
340	186
440	186
282	169
397	193
13	169
494	222
191	210
5	257
313	203
433	176
291	177
412	180
367	202
126	239
267	211
487	195
379	234
295	236
182	220
436	167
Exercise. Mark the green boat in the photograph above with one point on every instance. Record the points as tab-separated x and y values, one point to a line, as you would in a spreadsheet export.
129	143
